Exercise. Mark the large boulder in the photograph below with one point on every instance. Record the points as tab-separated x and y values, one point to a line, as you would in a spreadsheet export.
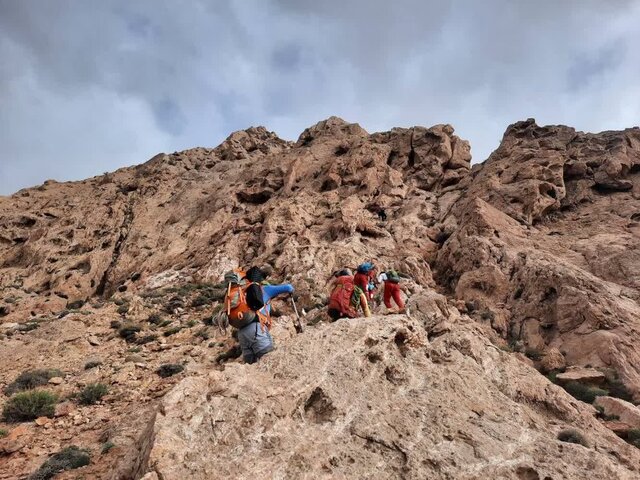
376	398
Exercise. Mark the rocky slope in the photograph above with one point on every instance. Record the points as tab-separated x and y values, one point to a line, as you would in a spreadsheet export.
524	264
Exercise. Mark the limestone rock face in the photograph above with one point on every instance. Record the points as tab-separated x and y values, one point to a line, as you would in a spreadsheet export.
375	398
581	375
626	412
526	263
255	198
543	243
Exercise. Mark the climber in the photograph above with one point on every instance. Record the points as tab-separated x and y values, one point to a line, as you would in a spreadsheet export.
347	297
392	289
249	310
365	279
379	211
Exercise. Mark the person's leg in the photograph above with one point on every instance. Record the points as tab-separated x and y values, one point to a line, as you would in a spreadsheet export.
397	297
387	295
263	341
262	353
250	358
245	345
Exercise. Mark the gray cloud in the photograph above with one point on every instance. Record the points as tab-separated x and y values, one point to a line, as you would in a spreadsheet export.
88	86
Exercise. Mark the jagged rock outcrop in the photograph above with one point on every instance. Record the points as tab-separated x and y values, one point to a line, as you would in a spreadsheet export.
255	197
544	245
527	260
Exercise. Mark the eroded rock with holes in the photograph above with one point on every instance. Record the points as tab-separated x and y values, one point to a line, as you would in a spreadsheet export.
543	244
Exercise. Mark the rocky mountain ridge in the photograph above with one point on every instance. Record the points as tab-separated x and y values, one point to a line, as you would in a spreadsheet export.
525	262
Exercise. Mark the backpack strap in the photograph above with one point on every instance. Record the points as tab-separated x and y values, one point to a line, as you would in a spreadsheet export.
227	299
265	319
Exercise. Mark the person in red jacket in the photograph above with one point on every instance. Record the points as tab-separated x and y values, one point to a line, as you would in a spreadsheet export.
392	290
346	297
365	279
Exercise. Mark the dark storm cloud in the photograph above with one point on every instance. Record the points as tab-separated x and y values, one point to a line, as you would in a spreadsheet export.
88	86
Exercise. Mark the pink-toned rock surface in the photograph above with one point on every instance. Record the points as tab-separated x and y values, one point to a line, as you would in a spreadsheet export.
625	411
109	278
581	375
375	398
543	240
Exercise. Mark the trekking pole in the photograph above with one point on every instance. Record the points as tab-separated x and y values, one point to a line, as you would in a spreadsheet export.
298	324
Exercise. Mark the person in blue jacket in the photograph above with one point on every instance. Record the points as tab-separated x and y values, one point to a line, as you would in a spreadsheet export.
255	339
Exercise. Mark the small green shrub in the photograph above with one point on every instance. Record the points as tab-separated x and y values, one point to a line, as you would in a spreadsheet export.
92	364
633	437
603	415
199	301
169	369
533	354
116	324
155	319
68	458
75	305
172	331
487	315
31	379
165	323
30	405
123	309
573	436
215	293
191	323
3	433
584	393
29	326
173	304
129	332
203	334
107	446
615	386
152	294
147	339
233	352
119	302
92	393
553	376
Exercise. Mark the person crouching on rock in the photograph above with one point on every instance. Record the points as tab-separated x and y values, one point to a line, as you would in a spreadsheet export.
249	310
346	297
392	289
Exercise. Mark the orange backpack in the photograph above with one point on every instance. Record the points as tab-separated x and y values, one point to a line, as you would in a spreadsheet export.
238	311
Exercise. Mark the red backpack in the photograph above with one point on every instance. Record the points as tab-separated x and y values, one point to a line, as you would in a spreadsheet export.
342	295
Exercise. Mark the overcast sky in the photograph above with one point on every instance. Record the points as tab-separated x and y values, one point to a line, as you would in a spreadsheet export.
87	86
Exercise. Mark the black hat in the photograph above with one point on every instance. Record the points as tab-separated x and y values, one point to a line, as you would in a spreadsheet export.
254	274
